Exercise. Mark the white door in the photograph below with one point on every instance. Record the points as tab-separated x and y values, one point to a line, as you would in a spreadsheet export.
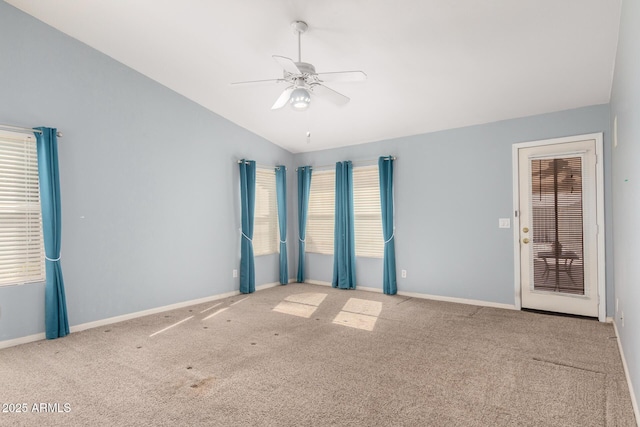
557	218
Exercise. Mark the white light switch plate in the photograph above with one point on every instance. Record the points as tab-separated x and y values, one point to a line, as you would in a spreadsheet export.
504	222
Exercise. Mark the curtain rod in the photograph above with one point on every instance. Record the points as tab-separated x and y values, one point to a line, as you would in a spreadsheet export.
25	130
356	162
258	165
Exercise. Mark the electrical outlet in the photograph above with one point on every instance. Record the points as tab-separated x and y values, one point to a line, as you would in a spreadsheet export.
403	273
235	273
504	222
622	318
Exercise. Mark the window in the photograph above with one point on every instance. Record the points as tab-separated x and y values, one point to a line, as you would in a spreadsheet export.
321	212
366	206
367	212
266	234
21	244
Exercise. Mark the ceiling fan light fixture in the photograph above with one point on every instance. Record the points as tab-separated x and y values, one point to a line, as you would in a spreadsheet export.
300	99
302	79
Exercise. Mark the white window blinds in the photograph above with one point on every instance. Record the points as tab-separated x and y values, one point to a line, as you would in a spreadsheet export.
266	234
21	244
321	211
367	215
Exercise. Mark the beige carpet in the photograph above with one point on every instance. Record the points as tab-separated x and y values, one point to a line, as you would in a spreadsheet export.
305	355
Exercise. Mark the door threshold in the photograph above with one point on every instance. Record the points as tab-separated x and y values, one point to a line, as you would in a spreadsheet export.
554	313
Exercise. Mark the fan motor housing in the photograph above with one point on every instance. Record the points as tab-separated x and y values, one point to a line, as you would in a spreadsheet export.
306	68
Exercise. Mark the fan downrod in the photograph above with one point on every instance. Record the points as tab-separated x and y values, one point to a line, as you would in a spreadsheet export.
299	27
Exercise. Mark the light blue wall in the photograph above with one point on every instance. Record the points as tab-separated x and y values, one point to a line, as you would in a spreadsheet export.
625	105
450	189
149	181
150	196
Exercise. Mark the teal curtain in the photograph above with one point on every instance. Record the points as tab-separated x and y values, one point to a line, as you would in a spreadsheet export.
248	201
385	168
281	196
304	186
55	308
344	243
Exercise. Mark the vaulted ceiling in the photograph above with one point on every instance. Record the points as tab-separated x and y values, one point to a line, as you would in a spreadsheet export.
431	64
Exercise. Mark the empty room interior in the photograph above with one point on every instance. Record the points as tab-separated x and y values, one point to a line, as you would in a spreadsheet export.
320	213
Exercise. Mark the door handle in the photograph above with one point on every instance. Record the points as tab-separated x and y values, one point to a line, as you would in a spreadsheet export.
525	240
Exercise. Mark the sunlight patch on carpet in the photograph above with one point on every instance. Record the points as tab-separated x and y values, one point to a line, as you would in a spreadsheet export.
213	306
309	298
353	320
359	313
363	306
239	301
301	305
169	327
216	313
295	309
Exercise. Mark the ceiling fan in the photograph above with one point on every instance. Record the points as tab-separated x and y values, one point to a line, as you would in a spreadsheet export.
303	80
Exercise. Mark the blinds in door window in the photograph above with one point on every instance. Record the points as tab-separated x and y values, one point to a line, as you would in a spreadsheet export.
21	244
557	222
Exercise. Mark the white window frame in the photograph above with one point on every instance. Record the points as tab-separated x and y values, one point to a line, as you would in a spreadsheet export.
266	232
21	236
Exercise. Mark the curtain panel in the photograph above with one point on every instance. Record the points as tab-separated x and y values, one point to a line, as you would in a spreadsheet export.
385	168
281	196
304	186
344	245
56	321
247	201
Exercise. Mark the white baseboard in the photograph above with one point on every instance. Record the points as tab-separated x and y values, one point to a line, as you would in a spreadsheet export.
427	296
459	300
129	316
634	401
116	319
358	287
22	340
317	282
266	286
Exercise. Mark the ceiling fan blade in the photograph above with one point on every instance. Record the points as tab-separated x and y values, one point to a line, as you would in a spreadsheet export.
252	82
343	76
283	98
288	64
330	94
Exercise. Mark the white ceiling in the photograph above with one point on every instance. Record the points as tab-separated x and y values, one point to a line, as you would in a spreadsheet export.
431	64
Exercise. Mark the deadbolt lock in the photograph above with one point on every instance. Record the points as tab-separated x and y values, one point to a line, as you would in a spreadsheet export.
525	240
525	230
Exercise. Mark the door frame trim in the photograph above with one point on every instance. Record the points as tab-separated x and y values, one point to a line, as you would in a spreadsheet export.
600	224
